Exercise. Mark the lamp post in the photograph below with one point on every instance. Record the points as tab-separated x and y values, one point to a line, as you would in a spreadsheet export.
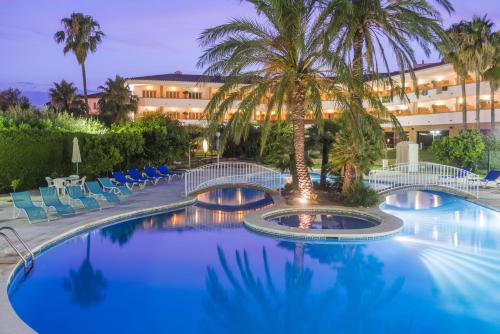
217	142
205	147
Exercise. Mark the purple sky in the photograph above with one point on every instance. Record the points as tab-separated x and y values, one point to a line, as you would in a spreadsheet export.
142	37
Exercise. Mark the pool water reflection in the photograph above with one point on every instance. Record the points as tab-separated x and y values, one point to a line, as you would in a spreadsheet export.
324	221
200	271
416	200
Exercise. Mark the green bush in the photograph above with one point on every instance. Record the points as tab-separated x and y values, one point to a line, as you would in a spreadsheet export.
462	150
361	195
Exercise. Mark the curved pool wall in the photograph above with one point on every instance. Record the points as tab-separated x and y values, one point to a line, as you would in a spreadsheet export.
234	199
195	270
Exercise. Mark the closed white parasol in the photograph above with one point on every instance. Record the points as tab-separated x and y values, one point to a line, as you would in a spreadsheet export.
76	157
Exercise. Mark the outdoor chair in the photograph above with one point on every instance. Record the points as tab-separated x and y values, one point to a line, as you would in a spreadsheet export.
22	203
135	175
76	194
108	185
121	179
152	175
96	191
165	171
492	176
50	200
49	181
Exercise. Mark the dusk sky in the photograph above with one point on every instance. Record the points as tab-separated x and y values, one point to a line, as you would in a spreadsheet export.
142	37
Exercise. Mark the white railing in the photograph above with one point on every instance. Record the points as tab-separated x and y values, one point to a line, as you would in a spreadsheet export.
224	173
424	175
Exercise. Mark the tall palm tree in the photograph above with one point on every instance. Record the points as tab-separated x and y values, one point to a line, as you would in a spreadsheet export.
492	75
479	52
454	54
359	31
279	59
81	34
64	97
116	101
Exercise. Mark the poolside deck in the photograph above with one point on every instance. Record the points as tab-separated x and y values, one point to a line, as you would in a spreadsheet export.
160	197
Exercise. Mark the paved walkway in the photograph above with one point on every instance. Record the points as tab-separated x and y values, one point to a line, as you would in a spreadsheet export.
160	197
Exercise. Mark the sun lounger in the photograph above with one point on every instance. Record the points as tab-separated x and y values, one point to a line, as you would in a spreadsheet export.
96	191
492	176
50	200
108	185
135	175
121	179
152	175
165	171
22	203
75	193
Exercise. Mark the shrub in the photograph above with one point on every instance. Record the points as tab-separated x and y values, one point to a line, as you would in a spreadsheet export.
361	195
462	150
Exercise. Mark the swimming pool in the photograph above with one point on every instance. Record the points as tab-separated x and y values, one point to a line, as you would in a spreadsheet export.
196	270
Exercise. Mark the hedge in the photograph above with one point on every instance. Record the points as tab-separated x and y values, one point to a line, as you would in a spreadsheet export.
29	155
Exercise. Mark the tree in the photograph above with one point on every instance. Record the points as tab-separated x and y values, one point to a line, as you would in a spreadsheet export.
492	75
479	53
323	137
12	97
64	97
462	150
117	102
454	54
357	30
81	34
279	61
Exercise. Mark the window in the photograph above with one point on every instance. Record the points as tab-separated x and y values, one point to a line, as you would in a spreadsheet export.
149	93
194	95
172	95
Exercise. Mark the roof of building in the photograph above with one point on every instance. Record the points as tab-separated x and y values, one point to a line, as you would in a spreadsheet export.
180	77
94	95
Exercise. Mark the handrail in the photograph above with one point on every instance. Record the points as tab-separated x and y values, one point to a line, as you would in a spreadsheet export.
27	267
232	172
424	174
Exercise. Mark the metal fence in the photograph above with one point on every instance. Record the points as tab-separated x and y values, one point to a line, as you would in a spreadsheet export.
233	172
424	175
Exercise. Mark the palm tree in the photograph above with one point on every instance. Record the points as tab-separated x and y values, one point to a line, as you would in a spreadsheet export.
81	34
478	53
492	75
280	61
358	30
117	102
64	97
454	54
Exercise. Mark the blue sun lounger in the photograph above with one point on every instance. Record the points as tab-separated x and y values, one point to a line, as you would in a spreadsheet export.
75	193
50	200
122	180
152	174
165	171
492	176
23	203
108	185
96	191
135	175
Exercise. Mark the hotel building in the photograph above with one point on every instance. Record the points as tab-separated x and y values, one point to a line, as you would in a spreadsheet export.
435	111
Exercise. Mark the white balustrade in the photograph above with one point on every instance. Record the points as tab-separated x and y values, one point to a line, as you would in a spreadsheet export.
232	172
424	175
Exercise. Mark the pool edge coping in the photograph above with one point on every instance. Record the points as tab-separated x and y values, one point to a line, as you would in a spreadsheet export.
389	224
9	319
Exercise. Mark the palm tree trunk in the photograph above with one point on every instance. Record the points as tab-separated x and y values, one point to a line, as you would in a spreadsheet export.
464	103
492	108
298	115
324	164
84	75
350	176
478	104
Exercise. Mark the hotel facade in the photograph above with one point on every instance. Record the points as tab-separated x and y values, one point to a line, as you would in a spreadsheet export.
434	111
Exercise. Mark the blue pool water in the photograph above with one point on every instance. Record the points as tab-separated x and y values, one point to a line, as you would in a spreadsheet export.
200	271
323	221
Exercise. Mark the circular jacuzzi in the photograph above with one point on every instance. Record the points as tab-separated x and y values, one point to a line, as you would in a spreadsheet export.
324	222
233	199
